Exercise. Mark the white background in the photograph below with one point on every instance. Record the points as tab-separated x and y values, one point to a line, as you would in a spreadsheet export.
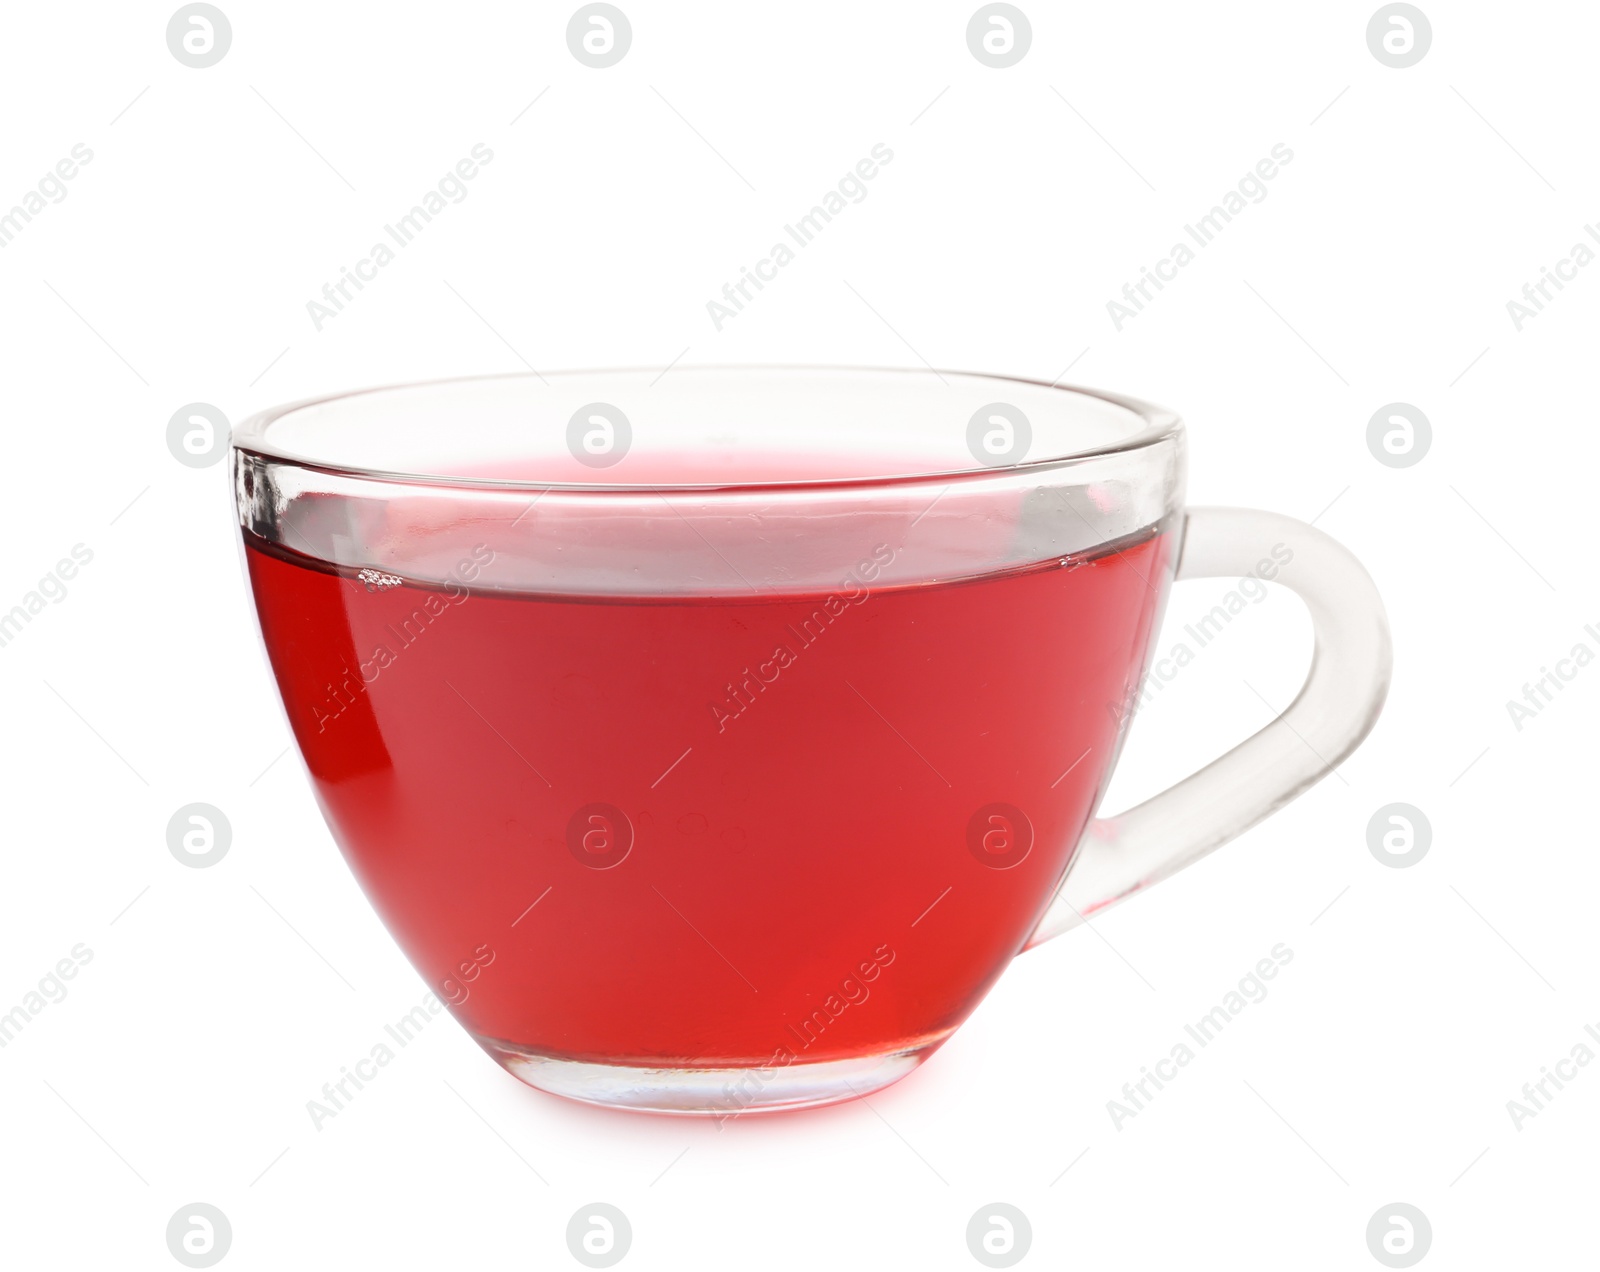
1419	1000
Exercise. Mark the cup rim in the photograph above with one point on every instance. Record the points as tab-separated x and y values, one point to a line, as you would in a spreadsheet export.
1160	424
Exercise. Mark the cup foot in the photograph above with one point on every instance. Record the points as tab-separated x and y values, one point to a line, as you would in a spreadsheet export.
724	1092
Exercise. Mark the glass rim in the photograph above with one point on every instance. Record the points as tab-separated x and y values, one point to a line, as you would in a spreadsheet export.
1159	425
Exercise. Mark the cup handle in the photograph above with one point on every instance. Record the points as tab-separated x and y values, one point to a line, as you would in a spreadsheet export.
1334	711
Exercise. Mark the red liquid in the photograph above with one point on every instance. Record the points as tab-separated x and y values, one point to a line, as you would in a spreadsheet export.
785	852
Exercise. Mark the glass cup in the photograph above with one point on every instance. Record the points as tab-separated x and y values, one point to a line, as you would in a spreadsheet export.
710	740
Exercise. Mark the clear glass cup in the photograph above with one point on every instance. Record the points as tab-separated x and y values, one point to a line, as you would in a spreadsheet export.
710	740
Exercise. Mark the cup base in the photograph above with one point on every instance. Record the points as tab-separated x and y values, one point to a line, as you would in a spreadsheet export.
724	1092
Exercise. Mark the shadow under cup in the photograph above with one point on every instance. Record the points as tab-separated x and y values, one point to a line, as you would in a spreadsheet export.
710	743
